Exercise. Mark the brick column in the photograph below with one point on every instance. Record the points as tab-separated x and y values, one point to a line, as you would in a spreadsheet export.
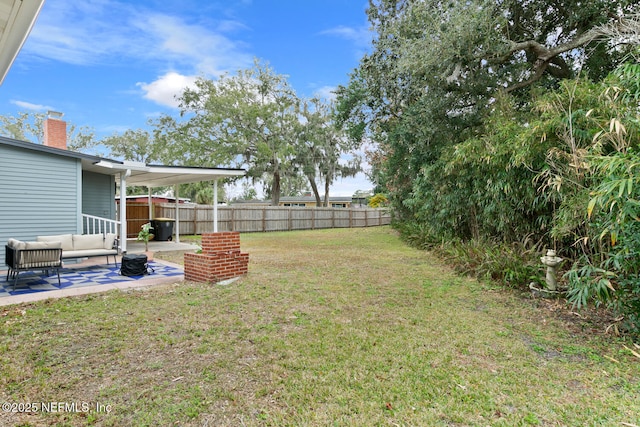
220	259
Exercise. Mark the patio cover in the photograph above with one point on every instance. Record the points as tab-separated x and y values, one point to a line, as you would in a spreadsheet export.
16	20
140	174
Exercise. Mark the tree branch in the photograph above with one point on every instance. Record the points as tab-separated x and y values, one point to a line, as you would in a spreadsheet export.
546	56
538	74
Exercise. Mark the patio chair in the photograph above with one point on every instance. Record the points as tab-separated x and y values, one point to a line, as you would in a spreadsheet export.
30	256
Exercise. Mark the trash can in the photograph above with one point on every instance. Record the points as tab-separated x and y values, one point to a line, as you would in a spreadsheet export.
162	228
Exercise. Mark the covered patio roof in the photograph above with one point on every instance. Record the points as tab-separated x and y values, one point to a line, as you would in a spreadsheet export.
140	174
163	176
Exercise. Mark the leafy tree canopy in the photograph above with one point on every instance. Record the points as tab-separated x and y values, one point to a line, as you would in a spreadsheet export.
254	119
437	67
30	127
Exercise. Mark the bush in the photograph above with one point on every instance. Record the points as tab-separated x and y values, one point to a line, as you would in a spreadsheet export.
514	264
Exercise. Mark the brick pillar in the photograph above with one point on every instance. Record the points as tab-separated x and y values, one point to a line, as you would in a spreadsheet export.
55	131
220	259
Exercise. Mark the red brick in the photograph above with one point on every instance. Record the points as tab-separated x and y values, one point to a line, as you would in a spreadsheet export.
220	259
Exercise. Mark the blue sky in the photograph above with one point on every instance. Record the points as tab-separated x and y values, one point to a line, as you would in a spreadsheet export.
113	65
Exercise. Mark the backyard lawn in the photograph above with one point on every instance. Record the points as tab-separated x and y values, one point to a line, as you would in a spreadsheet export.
346	327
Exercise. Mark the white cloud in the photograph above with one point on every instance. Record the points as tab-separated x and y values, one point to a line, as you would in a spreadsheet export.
167	88
347	186
325	92
360	36
111	129
203	50
108	32
33	107
81	33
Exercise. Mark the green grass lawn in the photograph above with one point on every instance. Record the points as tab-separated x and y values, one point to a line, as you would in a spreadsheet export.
344	327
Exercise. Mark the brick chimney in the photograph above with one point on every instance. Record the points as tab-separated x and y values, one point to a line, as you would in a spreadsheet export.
55	130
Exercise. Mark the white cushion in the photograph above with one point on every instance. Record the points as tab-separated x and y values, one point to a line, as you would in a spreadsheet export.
66	240
87	241
88	253
16	244
109	240
43	245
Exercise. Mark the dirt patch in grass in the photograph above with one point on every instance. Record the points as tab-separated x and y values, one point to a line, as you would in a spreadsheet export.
330	327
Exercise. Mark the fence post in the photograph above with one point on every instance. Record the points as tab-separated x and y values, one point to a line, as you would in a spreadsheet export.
264	219
233	219
290	220
313	218
195	220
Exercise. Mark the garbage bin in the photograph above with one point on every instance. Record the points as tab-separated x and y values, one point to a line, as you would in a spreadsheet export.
162	228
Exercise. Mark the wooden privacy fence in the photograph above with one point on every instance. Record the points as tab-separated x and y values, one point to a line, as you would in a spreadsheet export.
198	219
137	216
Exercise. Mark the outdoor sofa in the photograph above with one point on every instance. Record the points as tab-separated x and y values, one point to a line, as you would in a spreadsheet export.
47	252
85	245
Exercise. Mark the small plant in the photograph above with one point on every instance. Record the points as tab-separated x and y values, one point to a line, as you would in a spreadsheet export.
145	234
378	201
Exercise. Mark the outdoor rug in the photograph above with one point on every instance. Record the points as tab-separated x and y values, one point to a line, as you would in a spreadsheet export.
30	282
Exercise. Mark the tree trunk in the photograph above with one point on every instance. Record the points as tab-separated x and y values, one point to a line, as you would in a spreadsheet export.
327	183
314	187
275	189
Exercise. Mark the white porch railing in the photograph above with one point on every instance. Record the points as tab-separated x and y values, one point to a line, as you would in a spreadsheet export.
97	225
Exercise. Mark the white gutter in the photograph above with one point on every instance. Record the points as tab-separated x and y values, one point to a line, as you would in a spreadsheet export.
17	26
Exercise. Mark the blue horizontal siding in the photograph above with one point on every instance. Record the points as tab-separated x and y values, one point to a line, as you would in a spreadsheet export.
98	195
38	194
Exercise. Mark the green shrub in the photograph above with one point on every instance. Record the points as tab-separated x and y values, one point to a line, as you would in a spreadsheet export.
514	264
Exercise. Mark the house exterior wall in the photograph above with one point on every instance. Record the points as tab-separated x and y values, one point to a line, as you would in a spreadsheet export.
39	194
298	204
98	195
333	203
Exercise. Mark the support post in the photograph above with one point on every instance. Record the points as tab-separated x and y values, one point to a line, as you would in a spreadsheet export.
176	187
150	202
123	210
215	206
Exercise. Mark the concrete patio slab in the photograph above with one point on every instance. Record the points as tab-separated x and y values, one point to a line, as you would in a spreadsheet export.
125	284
